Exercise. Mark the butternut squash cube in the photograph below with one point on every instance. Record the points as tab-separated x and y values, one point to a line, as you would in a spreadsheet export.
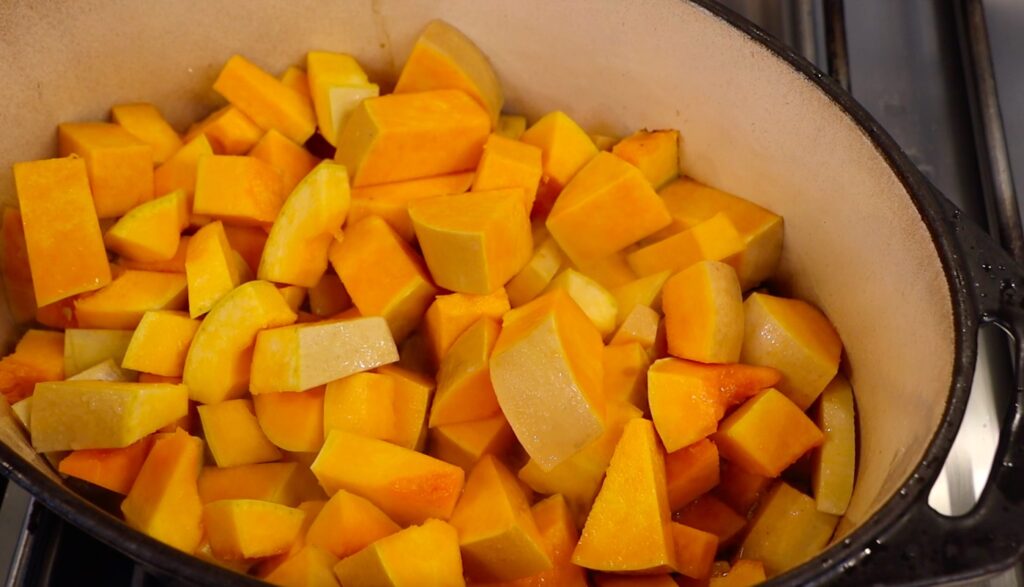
144	122
349	523
238	190
294	296
267	101
218	362
292	421
290	160
247	528
332	77
308	567
691	472
547	360
303	356
607	206
249	242
179	171
703	307
17	273
786	530
44	351
558	532
595	301
234	435
464	389
175	264
508	163
296	250
451	315
711	514
84	348
408	136
511	126
564	149
284	483
111	468
384	275
625	374
643	291
412	392
465	443
695	551
740	488
212	268
122	302
795	338
834	462
408	486
683	408
164	500
715	239
228	131
629	528
363	403
391	201
72	415
109	371
120	166
59	314
640	326
473	243
655	153
612	271
329	297
160	343
744	573
296	78
62	235
151	231
538	272
767	434
418	555
691	203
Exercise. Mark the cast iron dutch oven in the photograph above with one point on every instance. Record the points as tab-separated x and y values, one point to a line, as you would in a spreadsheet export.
905	279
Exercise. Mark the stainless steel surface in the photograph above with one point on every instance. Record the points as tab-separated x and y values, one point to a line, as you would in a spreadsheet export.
836	49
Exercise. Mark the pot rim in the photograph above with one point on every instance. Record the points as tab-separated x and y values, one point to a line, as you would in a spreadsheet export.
831	562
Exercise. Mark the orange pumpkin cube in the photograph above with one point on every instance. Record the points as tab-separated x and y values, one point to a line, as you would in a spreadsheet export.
363	403
144	122
715	239
160	343
152	230
564	149
111	468
175	264
625	374
267	101
292	421
787	530
695	551
413	393
291	160
611	272
557	530
179	171
767	434
450	315
655	153
711	514
249	241
684	410
247	528
384	275
465	443
284	483
508	163
212	268
740	488
347	524
309	566
38	357
391	201
62	235
464	389
296	78
703	307
607	206
227	131
238	190
691	472
234	435
418	555
120	166
123	302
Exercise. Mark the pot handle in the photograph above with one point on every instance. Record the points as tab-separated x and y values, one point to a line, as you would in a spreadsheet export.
924	546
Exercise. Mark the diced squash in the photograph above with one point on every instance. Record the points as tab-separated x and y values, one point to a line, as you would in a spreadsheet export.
122	303
565	149
684	410
228	131
218	362
408	486
84	347
629	528
160	343
465	443
62	234
151	231
20	371
538	272
391	201
175	264
655	153
595	301
703	307
744	573
296	78
303	356
329	296
834	462
691	472
548	360
640	326
611	272
511	126
625	374
714	239
363	403
267	101
498	537
292	161
212	268
711	514
786	530
111	468
795	338
464	389
332	79
249	242
120	166
234	435
179	171
349	523
293	295
695	551
475	242
109	371
284	483
607	206
164	500
72	415
767	434
444	58
418	555
247	528
408	136
17	273
508	163
292	421
384	275
644	291
735	382
308	567
239	190
144	122
451	315
413	393
740	488
60	314
296	250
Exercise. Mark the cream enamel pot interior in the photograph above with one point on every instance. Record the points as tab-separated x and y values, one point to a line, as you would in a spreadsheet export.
867	239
